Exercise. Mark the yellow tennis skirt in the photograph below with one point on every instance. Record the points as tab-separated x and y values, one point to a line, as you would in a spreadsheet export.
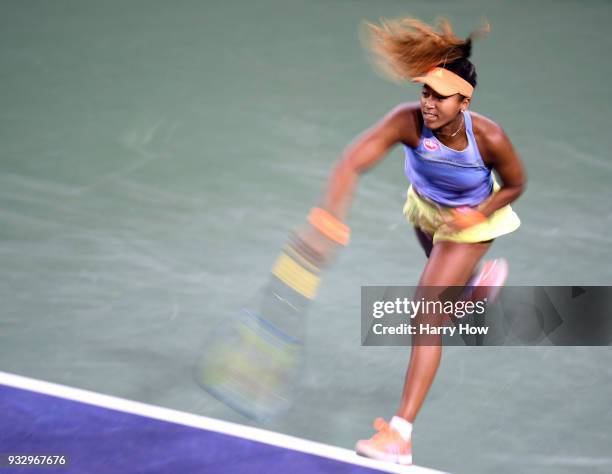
426	216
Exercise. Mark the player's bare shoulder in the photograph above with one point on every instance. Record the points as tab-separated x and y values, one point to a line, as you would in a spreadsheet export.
406	119
490	136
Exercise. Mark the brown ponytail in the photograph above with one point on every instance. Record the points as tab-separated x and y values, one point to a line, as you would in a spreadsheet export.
404	48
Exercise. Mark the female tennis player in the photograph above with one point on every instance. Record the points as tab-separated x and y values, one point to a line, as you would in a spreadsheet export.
454	202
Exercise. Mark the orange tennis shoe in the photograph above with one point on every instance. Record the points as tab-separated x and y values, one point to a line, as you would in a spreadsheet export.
386	445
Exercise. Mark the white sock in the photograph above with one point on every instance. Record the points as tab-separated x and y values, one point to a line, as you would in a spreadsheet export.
402	426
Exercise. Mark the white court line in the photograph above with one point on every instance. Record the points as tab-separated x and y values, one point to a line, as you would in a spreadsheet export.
203	422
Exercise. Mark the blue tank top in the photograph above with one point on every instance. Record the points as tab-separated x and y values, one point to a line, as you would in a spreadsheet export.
448	177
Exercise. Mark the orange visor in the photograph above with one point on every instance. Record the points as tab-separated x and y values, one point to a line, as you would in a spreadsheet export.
446	83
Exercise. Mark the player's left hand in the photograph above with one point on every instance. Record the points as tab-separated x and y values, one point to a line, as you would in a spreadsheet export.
463	217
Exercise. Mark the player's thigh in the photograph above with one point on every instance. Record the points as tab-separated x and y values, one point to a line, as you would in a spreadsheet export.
452	263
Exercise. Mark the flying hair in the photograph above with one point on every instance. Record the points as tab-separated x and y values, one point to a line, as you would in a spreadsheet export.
404	48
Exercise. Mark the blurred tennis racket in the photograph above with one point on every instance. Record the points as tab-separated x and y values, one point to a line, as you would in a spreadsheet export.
251	362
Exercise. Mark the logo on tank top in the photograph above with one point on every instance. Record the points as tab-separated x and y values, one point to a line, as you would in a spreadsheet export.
430	144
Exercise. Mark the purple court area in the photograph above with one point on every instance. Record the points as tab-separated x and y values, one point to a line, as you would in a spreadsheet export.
100	440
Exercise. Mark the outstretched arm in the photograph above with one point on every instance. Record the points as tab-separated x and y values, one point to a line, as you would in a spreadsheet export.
365	151
399	125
